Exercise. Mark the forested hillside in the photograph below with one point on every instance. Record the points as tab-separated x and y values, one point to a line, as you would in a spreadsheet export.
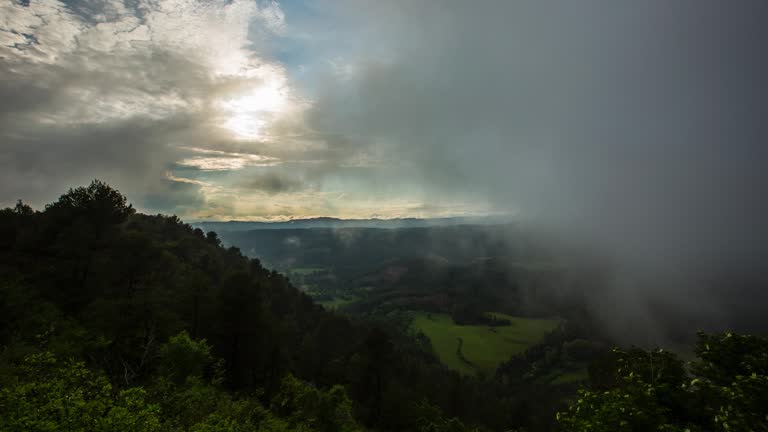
89	279
113	320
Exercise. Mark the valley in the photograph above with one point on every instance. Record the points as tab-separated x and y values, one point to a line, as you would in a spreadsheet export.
473	296
145	320
477	348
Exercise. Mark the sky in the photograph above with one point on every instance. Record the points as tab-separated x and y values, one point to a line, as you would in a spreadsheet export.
605	117
211	110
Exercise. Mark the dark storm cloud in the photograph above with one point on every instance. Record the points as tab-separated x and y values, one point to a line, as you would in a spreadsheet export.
59	130
635	127
41	165
168	196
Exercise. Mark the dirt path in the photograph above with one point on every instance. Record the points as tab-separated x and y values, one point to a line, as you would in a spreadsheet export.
460	354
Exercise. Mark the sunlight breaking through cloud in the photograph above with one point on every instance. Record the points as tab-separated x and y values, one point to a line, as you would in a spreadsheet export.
216	160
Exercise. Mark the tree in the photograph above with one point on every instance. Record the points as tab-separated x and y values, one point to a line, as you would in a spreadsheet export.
57	396
99	203
213	238
732	378
373	366
23	209
431	419
182	358
727	392
323	411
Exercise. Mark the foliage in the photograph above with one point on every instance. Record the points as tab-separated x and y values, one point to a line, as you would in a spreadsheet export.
51	396
183	357
98	202
324	411
723	357
431	419
728	390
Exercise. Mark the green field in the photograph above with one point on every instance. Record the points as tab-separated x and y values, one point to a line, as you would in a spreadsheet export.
483	347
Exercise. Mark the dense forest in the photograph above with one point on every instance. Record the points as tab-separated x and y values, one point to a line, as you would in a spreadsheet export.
115	320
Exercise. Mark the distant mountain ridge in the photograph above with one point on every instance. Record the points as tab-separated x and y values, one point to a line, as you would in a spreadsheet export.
330	222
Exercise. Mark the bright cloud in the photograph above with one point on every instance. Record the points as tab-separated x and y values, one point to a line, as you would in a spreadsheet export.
112	44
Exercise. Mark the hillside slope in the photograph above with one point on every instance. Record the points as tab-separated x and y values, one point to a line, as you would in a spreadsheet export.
90	279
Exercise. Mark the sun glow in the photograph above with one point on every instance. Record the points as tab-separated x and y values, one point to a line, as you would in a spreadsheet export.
248	114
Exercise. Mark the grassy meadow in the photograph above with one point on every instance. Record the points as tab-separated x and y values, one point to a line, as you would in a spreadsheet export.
483	347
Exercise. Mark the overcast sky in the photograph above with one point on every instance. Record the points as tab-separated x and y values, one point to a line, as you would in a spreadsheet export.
608	115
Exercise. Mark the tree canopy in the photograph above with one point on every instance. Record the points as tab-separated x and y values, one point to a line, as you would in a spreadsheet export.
726	390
